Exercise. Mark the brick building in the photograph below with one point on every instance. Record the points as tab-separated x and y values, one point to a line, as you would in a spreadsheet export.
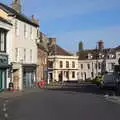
42	57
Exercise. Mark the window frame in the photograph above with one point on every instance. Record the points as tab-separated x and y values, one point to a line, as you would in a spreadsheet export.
73	64
73	74
24	57
81	66
4	32
61	64
88	66
67	64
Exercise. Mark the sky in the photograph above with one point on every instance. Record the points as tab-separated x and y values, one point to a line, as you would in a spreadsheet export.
72	21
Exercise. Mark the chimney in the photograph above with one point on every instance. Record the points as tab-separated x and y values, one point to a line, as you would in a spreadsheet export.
34	20
16	5
52	41
100	45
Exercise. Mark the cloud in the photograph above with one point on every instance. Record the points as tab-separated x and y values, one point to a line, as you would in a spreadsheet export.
70	40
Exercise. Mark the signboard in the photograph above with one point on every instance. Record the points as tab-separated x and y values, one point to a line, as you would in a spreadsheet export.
3	60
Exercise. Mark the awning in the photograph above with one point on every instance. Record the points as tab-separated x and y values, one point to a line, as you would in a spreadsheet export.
5	66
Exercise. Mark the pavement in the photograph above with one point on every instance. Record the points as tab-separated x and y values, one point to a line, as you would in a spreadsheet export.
69	103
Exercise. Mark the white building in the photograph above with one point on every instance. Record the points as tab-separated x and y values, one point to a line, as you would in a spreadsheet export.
94	62
22	47
62	65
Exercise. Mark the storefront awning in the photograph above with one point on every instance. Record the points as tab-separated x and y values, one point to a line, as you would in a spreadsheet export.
5	66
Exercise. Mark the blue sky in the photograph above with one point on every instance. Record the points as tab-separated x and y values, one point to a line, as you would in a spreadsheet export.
79	20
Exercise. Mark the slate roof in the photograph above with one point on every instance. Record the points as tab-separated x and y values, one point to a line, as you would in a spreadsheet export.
19	16
83	55
57	50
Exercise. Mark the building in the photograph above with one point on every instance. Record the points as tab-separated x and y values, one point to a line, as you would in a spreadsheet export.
62	65
42	57
5	37
22	49
94	62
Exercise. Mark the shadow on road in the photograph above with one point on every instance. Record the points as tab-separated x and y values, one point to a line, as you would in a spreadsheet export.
84	88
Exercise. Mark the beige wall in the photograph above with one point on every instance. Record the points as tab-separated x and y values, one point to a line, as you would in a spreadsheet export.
56	65
22	42
93	68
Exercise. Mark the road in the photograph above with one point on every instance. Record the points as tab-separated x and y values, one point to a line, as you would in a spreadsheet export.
80	103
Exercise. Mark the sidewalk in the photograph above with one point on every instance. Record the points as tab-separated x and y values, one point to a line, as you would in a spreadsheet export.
7	94
114	99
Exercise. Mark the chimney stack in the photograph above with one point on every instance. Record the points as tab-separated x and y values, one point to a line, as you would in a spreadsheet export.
100	45
16	5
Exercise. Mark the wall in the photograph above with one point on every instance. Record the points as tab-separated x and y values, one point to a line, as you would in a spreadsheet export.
56	60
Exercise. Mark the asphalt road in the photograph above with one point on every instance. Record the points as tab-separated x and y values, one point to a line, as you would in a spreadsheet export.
80	103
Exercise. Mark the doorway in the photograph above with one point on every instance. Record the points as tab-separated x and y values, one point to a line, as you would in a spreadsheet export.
2	79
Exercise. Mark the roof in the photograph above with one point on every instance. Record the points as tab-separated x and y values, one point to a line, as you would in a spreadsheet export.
83	55
19	16
117	48
40	46
5	21
57	50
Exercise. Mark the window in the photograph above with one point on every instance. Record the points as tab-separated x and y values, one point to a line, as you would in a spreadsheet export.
61	64
81	66
24	54
31	32
73	74
67	64
81	74
73	64
92	74
16	54
88	66
3	41
99	65
50	64
67	75
96	65
25	30
112	66
30	54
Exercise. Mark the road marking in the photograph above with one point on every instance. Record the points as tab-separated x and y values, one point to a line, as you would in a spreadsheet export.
4	109
6	115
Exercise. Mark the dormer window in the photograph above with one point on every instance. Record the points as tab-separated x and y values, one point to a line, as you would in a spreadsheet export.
90	56
103	56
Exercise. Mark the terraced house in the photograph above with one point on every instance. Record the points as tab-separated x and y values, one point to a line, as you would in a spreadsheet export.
22	49
94	62
62	65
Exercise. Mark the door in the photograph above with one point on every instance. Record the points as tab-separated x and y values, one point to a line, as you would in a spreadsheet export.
2	79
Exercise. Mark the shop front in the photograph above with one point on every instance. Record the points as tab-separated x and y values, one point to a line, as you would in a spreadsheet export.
3	71
29	75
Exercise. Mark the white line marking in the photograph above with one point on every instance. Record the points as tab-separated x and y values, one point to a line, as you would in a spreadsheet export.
4	109
6	115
